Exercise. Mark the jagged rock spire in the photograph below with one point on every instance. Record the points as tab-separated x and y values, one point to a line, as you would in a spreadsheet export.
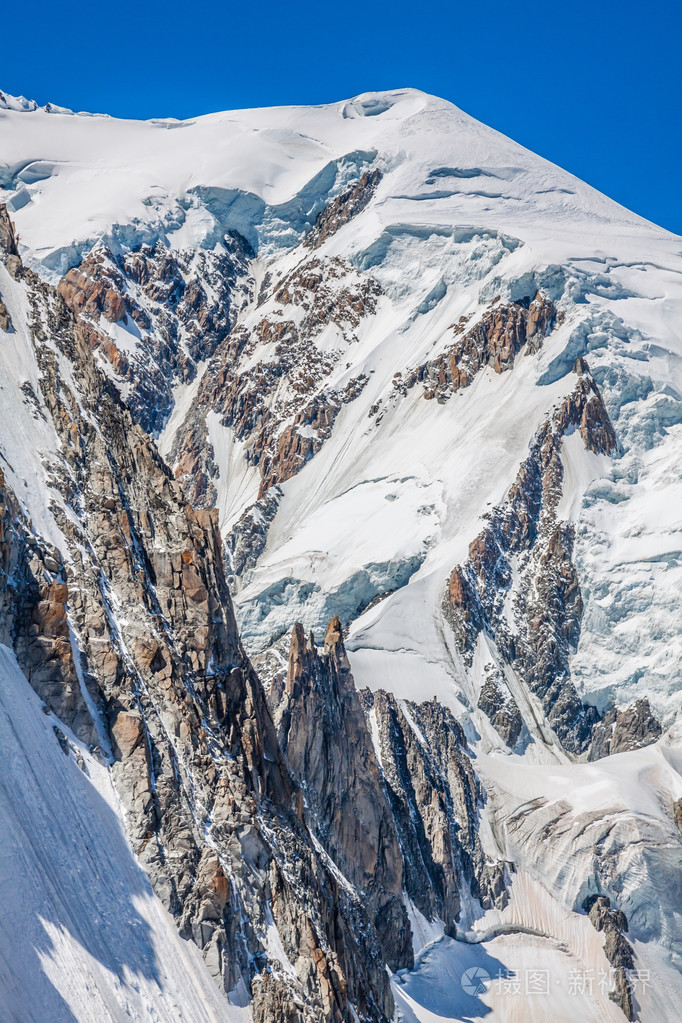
326	740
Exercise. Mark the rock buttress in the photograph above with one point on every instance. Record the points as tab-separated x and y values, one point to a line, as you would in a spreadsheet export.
328	747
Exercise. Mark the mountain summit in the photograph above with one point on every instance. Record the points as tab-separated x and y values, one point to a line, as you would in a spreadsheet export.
340	577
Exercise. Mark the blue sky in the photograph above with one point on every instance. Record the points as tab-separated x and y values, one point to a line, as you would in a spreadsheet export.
596	87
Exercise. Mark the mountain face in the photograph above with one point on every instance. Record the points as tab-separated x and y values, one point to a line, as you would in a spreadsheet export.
340	574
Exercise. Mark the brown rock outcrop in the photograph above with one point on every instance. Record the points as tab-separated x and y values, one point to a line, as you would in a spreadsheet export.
94	289
176	306
8	240
343	208
33	616
496	701
547	603
127	733
623	729
9	252
5	319
328	747
280	406
495	341
618	950
390	791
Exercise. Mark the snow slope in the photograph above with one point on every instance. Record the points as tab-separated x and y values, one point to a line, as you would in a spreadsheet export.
83	936
74	180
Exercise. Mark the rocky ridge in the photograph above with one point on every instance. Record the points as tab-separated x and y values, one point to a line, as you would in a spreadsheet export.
495	340
155	667
522	561
154	315
278	405
619	951
388	789
343	208
129	637
328	748
436	799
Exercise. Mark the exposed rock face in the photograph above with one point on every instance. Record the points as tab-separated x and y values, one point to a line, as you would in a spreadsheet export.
191	298
677	814
211	807
328	747
422	809
497	702
625	729
547	605
343	208
618	950
247	538
279	405
172	308
435	798
9	252
5	319
10	257
495	341
95	288
397	811
303	438
8	241
33	618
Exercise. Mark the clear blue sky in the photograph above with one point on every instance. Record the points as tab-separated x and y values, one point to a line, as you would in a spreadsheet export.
594	86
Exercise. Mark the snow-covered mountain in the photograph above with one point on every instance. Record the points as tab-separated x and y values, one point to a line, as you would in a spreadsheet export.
431	385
